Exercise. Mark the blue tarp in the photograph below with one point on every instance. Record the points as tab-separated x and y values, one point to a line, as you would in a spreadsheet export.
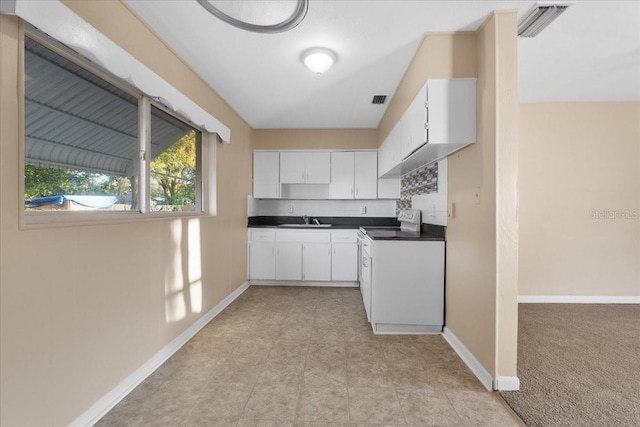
96	202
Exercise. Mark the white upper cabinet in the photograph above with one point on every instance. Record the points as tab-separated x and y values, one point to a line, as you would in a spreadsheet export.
415	119
389	155
451	111
266	174
342	174
300	167
354	175
292	167
318	167
440	120
366	175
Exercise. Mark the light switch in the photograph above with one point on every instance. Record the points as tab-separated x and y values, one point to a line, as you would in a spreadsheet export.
477	196
290	208
451	207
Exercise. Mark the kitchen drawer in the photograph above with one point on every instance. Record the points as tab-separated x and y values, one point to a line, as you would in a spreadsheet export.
344	236
304	236
263	236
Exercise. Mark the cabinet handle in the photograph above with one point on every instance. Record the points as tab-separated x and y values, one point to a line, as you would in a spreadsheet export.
357	191
330	252
352	191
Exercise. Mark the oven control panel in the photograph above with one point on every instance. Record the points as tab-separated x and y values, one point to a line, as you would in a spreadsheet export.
411	216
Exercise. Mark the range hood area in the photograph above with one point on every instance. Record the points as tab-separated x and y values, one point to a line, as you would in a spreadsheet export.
439	121
425	155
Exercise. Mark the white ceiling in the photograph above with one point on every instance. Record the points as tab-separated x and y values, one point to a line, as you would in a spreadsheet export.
590	53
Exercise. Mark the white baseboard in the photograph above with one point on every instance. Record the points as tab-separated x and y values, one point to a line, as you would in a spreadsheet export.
111	399
508	383
570	299
467	357
296	283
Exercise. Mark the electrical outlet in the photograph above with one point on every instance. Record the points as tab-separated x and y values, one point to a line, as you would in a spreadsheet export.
363	209
290	208
477	196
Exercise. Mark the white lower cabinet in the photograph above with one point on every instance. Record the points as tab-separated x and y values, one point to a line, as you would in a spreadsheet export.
411	302
262	264
344	262
289	261
303	255
316	261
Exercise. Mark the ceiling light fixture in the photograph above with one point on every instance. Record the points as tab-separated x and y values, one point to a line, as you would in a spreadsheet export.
259	16
538	18
319	59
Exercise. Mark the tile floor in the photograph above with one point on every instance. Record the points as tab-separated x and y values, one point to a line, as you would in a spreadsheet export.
300	356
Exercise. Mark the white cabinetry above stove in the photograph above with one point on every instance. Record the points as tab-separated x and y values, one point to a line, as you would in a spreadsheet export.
440	120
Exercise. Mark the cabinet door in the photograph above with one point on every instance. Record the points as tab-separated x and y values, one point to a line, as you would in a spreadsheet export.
317	261
289	261
292	169
451	111
344	262
342	173
389	152
318	167
366	176
416	120
262	261
266	174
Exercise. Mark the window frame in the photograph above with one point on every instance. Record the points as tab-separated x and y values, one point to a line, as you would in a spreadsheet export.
205	151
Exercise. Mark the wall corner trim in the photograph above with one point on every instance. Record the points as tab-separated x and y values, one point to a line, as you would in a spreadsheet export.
467	357
112	398
577	299
508	383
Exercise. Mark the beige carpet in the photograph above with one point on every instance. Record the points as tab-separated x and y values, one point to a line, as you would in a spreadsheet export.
578	364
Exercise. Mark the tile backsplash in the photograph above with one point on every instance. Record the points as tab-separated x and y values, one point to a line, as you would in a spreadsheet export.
421	181
344	208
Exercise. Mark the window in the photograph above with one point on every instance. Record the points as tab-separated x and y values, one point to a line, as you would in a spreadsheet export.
84	149
174	168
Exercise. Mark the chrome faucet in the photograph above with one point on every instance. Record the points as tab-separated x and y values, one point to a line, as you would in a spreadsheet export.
306	219
315	221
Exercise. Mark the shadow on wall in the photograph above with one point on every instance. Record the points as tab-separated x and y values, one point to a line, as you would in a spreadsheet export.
183	271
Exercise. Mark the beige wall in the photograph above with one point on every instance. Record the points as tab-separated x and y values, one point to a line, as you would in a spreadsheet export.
84	307
440	56
575	157
314	139
481	289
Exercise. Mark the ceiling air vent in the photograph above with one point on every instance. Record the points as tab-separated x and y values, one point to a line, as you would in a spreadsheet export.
538	18
379	99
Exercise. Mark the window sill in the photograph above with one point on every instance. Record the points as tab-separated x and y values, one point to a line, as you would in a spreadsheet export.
43	220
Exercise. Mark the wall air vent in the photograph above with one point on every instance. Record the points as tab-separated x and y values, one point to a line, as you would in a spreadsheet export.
379	99
538	18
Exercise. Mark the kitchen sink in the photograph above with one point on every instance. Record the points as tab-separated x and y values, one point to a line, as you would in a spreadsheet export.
306	225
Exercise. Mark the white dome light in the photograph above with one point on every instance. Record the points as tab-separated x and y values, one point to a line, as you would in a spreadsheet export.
318	59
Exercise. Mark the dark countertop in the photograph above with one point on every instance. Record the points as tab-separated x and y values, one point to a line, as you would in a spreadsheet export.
396	234
337	223
377	228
